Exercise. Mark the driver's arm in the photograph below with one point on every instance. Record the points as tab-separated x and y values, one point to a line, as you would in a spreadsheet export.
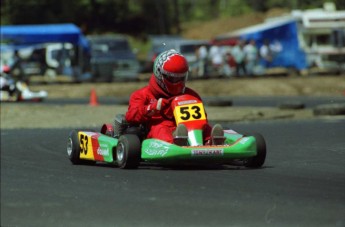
137	109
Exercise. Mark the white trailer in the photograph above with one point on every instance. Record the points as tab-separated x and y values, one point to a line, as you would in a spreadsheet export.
321	34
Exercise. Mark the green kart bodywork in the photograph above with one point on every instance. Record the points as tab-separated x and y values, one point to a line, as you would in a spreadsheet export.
98	147
236	147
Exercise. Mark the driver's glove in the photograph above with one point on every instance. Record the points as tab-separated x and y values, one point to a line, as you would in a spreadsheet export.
156	106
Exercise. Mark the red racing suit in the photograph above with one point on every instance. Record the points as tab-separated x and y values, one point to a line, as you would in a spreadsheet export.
159	125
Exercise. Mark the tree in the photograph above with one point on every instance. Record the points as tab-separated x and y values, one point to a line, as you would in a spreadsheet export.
138	17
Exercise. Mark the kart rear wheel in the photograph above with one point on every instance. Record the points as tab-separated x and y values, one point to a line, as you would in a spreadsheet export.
128	151
258	160
73	148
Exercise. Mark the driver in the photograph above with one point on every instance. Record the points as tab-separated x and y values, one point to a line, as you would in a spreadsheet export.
151	105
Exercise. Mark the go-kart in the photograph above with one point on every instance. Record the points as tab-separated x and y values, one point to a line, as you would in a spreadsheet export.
21	93
16	91
126	145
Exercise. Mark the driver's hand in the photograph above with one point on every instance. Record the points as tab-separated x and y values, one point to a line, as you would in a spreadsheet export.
160	106
164	103
151	109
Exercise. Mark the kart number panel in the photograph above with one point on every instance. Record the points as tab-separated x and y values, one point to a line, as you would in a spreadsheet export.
189	112
192	114
88	145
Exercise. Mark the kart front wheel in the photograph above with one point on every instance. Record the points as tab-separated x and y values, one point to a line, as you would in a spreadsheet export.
73	147
258	160
128	151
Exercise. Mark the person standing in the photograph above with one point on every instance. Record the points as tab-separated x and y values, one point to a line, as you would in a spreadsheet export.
16	68
217	60
202	60
251	53
240	58
266	54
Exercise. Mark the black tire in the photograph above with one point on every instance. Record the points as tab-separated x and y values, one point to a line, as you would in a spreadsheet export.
128	151
291	106
73	148
259	159
330	109
219	102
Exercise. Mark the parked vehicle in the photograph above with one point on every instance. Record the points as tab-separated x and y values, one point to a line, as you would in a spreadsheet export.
25	61
322	37
112	58
46	49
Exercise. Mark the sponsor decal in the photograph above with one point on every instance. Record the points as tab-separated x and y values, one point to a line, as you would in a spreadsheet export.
208	152
103	151
244	140
229	131
180	103
155	148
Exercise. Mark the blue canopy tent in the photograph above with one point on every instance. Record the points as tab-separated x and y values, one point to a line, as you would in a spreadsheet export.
49	33
19	36
283	31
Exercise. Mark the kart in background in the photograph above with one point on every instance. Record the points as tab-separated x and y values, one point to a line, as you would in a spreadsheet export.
127	147
15	91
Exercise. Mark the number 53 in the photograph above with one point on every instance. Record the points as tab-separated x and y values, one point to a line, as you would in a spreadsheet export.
190	111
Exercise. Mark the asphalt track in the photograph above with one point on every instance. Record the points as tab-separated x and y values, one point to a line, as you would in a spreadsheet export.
301	184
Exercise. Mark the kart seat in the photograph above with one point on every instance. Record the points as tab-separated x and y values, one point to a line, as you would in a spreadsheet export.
121	127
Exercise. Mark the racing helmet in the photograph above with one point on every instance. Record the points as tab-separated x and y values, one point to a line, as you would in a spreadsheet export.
171	71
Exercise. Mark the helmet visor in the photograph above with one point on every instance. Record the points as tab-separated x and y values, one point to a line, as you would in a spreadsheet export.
174	88
176	78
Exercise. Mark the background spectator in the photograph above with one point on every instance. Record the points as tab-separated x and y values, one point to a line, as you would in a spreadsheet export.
216	58
266	54
201	55
251	53
230	64
268	51
16	67
240	57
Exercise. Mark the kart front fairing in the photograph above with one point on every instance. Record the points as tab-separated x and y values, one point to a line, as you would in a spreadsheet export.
236	147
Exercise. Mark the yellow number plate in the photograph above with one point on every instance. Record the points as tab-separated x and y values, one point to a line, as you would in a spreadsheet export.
85	142
190	112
